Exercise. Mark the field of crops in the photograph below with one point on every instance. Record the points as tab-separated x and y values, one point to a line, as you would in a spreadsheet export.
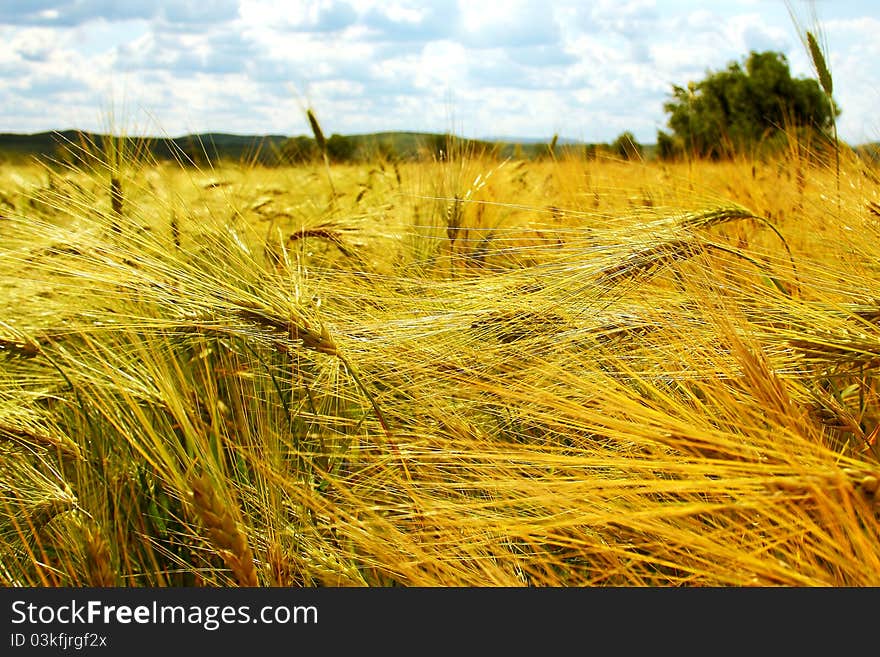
465	371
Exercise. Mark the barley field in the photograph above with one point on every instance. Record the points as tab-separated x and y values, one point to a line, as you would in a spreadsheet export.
465	371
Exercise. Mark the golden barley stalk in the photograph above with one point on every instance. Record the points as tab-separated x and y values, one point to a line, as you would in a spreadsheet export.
98	562
714	217
316	338
279	567
223	531
643	260
43	513
65	446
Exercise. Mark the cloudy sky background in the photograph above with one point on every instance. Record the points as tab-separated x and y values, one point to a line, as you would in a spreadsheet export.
584	69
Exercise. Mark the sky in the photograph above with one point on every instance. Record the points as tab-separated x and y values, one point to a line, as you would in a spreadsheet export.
587	69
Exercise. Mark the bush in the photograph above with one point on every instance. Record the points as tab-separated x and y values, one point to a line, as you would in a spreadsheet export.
735	109
626	147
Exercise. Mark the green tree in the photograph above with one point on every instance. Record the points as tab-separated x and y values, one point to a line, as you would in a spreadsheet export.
626	147
741	106
340	148
668	147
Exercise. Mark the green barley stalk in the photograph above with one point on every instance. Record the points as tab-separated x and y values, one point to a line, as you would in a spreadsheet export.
819	62
552	146
823	73
827	84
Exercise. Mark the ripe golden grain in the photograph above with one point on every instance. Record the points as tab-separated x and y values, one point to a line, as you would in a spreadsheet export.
98	560
223	530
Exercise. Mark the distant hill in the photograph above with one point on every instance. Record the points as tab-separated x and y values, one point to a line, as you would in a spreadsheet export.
504	139
264	149
212	146
208	146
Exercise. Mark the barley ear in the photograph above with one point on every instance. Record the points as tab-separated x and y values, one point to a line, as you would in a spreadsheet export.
322	146
827	85
316	130
279	567
98	561
819	62
223	531
116	197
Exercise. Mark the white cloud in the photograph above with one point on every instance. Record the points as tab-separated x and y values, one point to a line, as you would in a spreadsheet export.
443	64
402	22
518	24
34	45
856	83
589	69
68	13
